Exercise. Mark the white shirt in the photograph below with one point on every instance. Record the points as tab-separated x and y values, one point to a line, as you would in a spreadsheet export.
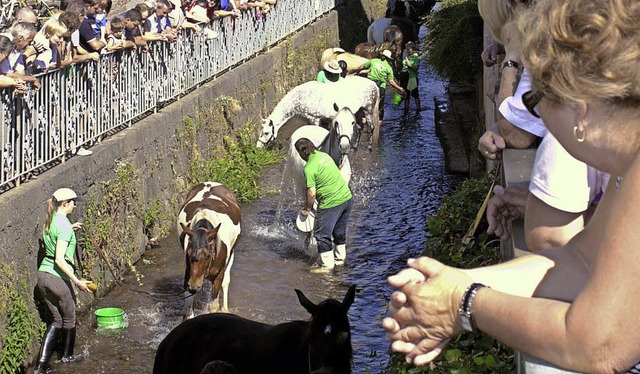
514	111
563	182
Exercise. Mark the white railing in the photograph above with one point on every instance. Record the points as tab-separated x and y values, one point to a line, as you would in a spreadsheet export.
81	104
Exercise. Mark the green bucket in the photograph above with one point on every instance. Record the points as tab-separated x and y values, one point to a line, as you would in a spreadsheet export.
110	318
397	98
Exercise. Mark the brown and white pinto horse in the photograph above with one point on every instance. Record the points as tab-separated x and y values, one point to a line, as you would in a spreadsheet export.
208	227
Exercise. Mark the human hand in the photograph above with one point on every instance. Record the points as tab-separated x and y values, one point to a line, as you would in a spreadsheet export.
490	144
83	285
504	205
490	54
36	84
95	56
424	312
20	87
77	225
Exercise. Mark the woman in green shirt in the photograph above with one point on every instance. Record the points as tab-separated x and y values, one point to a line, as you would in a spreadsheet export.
55	275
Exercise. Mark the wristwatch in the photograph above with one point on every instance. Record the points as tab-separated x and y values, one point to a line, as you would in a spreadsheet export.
511	64
466	315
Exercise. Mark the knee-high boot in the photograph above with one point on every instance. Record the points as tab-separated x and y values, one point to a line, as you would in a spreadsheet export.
68	340
47	346
340	254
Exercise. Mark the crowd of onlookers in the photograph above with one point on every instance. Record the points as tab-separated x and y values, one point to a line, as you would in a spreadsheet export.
83	29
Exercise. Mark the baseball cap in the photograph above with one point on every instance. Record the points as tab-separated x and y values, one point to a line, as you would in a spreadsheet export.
63	194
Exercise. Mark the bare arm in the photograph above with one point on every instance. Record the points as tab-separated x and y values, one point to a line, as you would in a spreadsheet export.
514	137
61	248
548	227
311	198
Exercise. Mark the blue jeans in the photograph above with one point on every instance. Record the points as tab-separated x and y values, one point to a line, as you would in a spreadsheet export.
332	222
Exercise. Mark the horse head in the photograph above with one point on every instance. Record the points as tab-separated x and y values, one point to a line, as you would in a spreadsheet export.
329	332
344	123
267	134
201	253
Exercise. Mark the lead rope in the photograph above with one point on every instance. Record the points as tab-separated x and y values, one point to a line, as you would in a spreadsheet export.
153	295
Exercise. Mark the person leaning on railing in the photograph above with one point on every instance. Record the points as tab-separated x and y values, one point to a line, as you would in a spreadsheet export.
573	306
14	65
18	85
508	131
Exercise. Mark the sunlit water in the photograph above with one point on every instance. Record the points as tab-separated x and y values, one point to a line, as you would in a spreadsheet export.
396	187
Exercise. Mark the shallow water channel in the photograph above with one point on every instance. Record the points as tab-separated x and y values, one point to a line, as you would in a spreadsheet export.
396	187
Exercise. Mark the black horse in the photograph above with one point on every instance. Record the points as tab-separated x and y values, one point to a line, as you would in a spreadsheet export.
322	344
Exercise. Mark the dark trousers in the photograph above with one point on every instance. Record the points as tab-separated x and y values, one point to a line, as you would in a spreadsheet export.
60	298
332	222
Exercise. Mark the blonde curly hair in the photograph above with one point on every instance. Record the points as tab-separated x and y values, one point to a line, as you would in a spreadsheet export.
582	50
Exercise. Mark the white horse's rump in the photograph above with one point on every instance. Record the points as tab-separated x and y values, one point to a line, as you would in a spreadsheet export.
314	101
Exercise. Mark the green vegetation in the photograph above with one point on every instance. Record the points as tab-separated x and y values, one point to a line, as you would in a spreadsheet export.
19	317
467	354
454	41
238	168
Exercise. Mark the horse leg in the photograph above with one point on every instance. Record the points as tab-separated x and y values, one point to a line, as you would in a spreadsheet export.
188	305
225	285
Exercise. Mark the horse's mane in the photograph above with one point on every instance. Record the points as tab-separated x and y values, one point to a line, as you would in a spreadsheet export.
199	238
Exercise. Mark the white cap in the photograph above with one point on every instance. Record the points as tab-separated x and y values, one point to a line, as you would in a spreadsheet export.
63	194
386	53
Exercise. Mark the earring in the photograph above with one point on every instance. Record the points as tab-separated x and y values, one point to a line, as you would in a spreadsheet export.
579	137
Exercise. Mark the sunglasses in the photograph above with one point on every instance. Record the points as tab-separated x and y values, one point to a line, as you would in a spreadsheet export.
531	99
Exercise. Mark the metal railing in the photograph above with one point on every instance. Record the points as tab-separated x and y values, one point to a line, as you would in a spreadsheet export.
81	104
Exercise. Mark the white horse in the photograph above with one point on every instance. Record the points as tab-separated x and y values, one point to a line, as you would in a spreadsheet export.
338	139
313	101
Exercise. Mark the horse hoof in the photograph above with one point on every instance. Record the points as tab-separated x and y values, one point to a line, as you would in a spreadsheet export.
370	148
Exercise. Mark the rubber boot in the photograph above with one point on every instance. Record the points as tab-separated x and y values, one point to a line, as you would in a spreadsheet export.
68	340
325	262
49	342
340	254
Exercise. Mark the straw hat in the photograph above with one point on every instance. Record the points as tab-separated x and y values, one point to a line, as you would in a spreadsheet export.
386	53
332	67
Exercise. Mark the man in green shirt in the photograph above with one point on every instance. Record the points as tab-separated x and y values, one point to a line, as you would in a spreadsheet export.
331	73
381	72
326	184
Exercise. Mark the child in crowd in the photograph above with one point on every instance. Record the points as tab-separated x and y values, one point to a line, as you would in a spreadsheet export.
115	38
53	54
101	18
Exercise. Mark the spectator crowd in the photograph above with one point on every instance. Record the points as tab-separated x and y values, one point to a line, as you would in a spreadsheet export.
82	30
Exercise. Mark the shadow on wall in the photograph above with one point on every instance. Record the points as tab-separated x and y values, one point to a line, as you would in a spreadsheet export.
354	19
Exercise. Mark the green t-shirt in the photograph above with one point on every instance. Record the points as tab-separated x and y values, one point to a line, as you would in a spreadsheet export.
60	229
322	173
379	71
324	78
414	60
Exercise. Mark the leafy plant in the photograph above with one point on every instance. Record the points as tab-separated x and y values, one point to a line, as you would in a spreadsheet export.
21	323
454	41
467	354
238	168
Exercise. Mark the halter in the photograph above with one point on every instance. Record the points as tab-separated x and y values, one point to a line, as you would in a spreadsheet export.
212	257
273	131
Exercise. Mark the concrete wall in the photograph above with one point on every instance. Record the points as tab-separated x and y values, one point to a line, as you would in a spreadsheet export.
151	144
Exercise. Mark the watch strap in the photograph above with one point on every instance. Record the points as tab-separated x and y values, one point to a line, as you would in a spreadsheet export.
511	64
466	314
